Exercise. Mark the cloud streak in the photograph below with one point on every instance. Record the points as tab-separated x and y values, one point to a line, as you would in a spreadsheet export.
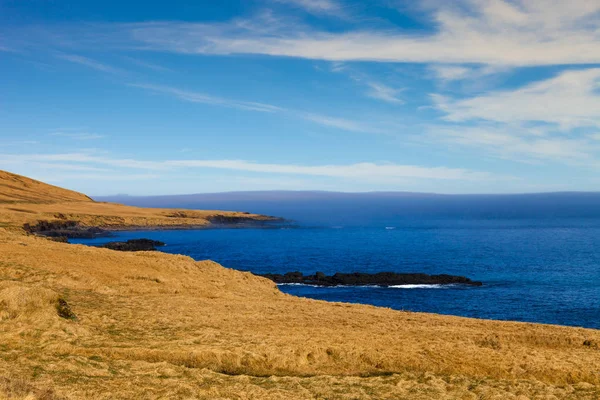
569	100
375	89
77	135
196	97
493	32
553	120
318	7
385	93
519	144
523	32
146	64
451	72
364	171
203	98
88	62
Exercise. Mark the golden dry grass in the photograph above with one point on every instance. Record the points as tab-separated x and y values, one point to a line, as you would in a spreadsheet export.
180	328
109	215
24	200
151	325
19	189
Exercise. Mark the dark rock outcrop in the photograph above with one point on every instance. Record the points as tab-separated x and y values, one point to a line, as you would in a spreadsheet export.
363	279
242	221
65	229
64	310
59	239
134	245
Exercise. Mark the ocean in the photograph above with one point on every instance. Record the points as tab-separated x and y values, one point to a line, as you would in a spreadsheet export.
544	269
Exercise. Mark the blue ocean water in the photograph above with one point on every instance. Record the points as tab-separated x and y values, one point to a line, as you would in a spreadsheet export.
539	270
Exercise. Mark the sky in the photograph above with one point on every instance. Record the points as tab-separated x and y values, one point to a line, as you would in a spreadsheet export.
148	98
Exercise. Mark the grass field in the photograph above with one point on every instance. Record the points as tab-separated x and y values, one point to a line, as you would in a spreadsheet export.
79	322
24	200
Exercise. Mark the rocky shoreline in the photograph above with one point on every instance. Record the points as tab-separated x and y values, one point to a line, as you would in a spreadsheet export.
62	230
134	245
365	279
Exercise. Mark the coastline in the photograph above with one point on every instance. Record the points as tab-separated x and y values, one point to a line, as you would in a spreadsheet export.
241	325
87	322
65	229
260	224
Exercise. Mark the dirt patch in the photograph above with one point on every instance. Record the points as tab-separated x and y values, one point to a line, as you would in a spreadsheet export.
64	310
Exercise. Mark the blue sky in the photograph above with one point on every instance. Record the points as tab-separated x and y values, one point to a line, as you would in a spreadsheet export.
469	96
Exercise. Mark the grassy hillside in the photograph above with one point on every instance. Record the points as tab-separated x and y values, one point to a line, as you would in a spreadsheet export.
24	200
19	189
79	322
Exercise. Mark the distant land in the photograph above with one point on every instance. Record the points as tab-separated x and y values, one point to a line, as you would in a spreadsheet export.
317	206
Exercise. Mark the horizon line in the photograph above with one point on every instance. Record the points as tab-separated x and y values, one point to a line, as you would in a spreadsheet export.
374	192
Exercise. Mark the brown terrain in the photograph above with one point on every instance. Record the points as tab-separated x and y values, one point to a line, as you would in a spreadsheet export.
24	200
79	322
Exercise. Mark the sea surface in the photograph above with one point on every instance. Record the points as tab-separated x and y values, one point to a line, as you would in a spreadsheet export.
539	270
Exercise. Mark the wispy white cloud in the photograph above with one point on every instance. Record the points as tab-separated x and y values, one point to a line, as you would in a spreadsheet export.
71	167
353	171
594	136
325	120
517	143
327	7
337	66
82	158
196	97
569	100
469	78
111	177
493	32
477	75
522	32
146	64
77	135
451	72
88	62
364	171
552	120
375	89
340	123
19	142
385	93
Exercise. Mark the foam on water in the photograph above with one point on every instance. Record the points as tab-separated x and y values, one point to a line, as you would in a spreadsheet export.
329	287
297	284
421	286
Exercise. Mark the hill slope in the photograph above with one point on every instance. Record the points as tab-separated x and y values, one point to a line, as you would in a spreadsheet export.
24	200
80	322
185	329
19	189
